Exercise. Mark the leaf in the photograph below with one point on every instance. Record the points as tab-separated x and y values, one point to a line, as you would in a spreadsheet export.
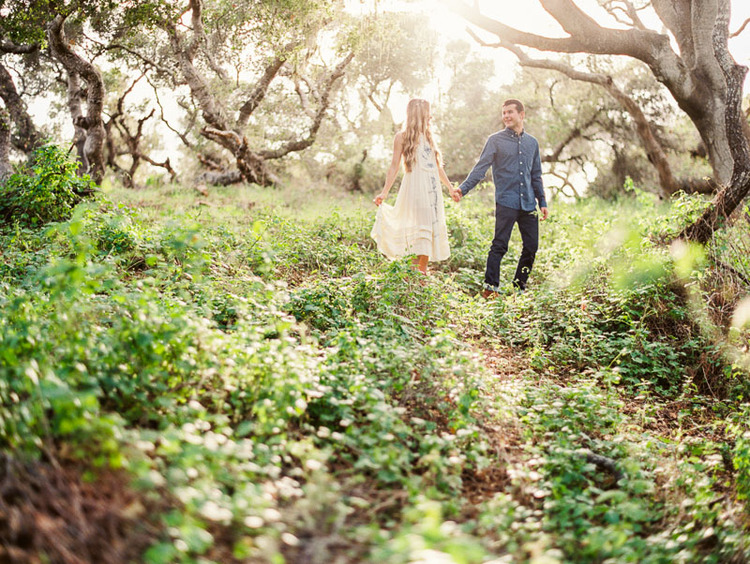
162	553
244	428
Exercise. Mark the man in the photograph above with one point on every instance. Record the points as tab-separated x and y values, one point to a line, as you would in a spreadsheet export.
516	165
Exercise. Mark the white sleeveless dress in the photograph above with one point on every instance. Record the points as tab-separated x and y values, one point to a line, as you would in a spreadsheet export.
415	224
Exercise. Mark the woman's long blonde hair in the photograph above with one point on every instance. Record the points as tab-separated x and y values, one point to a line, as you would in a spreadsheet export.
417	125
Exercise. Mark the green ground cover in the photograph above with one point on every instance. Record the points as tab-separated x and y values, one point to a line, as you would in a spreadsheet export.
240	377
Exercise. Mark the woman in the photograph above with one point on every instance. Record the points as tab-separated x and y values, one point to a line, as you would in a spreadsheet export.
415	224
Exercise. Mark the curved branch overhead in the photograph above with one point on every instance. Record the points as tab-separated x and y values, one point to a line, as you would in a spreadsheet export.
585	35
17	48
643	127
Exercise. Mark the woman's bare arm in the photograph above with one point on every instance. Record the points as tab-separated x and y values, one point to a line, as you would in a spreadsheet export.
390	177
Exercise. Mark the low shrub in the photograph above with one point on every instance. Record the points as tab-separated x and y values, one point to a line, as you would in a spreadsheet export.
44	190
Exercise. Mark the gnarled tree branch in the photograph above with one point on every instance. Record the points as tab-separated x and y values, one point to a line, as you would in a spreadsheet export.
17	48
300	144
261	87
741	28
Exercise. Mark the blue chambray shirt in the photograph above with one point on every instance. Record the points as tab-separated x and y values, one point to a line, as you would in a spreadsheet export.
516	170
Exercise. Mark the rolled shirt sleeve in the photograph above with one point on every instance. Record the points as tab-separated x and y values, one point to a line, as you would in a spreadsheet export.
536	179
480	169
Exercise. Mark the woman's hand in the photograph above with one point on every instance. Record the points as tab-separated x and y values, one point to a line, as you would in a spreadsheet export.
379	199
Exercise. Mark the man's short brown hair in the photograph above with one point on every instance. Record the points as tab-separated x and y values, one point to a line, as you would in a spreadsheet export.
513	102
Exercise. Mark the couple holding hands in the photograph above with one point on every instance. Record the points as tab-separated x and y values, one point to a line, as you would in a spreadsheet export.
415	224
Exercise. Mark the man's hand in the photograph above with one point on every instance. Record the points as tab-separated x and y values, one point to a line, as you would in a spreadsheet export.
456	194
545	213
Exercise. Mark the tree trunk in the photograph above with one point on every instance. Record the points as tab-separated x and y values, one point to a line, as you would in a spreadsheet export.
92	123
251	166
124	138
26	137
75	109
730	197
695	77
221	178
5	167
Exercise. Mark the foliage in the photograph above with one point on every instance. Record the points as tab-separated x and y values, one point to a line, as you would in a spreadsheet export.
277	384
44	190
471	112
24	22
741	453
596	486
395	48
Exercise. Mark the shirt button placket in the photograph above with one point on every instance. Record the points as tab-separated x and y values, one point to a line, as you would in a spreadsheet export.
520	167
520	164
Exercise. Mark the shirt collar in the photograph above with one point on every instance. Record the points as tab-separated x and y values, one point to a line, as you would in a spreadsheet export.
512	132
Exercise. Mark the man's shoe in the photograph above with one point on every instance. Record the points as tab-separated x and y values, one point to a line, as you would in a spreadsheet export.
488	294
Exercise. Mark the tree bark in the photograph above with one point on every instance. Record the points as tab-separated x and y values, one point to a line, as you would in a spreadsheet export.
701	78
92	123
5	167
26	137
75	109
730	197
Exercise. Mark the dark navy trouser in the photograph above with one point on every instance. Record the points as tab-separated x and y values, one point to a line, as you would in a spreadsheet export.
528	225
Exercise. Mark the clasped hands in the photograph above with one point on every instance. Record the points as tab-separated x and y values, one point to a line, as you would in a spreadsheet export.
455	193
